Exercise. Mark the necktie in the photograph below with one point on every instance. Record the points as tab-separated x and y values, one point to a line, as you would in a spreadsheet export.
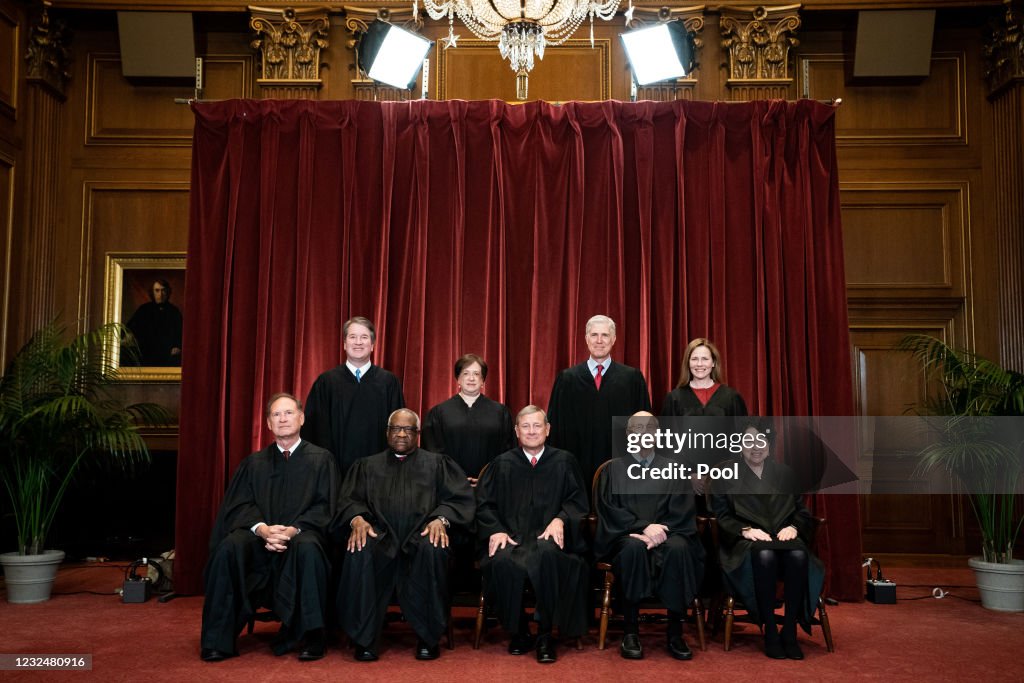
286	454
533	461
597	377
359	373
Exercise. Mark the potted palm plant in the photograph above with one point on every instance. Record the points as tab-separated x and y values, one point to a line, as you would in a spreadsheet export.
981	444
56	416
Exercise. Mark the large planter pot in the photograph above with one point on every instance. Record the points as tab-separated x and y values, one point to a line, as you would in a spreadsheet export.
1001	585
29	578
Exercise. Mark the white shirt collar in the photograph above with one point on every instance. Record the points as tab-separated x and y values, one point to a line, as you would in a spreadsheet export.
605	364
295	446
530	457
362	368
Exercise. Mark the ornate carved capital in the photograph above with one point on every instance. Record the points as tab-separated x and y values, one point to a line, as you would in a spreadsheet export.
49	54
357	21
289	42
1003	50
757	41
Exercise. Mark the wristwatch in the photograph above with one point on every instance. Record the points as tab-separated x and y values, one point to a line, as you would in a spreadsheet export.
444	521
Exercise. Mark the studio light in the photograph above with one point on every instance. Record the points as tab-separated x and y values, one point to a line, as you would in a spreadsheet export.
660	52
392	55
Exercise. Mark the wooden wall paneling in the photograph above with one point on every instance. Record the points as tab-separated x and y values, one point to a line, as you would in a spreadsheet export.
10	60
7	166
120	112
933	112
474	70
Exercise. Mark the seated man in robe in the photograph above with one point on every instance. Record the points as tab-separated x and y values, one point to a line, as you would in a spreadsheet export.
399	506
268	546
646	529
530	503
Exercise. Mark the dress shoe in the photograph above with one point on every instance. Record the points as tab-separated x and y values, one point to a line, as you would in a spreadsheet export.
630	648
316	646
424	651
773	647
678	648
792	649
208	654
546	650
521	644
365	654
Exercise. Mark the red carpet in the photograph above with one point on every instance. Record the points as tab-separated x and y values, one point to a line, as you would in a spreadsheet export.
948	639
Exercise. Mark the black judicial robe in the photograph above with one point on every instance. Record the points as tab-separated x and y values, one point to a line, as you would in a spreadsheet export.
471	435
771	503
157	329
241	574
521	500
671	571
581	416
726	402
350	418
398	498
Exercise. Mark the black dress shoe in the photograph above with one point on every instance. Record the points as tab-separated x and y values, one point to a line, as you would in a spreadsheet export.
316	646
630	647
208	654
773	648
424	651
546	651
792	649
365	654
678	648
521	644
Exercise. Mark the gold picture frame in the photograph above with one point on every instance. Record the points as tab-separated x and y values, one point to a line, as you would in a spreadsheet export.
128	298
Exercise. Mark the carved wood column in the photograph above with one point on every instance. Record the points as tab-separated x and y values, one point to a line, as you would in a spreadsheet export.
289	42
1004	72
357	20
47	76
757	42
693	20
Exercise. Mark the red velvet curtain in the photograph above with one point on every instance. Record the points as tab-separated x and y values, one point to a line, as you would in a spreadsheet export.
499	229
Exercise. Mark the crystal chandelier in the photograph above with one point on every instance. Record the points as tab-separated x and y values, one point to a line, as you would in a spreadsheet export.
523	28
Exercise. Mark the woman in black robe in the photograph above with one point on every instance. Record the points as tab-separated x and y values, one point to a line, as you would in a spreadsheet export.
702	394
469	427
765	533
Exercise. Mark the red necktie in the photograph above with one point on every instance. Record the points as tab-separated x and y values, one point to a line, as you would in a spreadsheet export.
533	461
286	454
597	377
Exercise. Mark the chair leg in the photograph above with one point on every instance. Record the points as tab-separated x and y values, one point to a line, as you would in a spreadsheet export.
451	631
479	629
826	628
606	600
579	643
729	603
250	626
698	616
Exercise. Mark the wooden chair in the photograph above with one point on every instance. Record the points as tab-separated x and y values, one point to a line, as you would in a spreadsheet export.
609	578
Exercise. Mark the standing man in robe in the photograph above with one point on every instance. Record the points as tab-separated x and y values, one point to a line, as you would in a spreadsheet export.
531	501
268	545
399	507
647	530
348	406
587	396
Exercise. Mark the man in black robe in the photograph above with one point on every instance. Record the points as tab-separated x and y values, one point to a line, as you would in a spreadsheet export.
587	396
268	543
156	326
531	501
646	529
399	505
348	406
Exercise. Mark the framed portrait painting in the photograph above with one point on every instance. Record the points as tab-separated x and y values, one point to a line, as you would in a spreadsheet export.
146	292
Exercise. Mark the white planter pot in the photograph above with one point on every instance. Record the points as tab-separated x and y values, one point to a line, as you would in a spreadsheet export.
1001	585
29	578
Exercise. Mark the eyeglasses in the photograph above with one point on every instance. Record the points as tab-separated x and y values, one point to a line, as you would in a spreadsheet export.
392	429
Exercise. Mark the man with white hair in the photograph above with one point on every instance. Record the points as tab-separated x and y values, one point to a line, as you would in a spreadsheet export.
587	396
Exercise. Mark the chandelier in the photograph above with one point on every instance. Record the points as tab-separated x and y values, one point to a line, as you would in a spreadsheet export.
522	28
